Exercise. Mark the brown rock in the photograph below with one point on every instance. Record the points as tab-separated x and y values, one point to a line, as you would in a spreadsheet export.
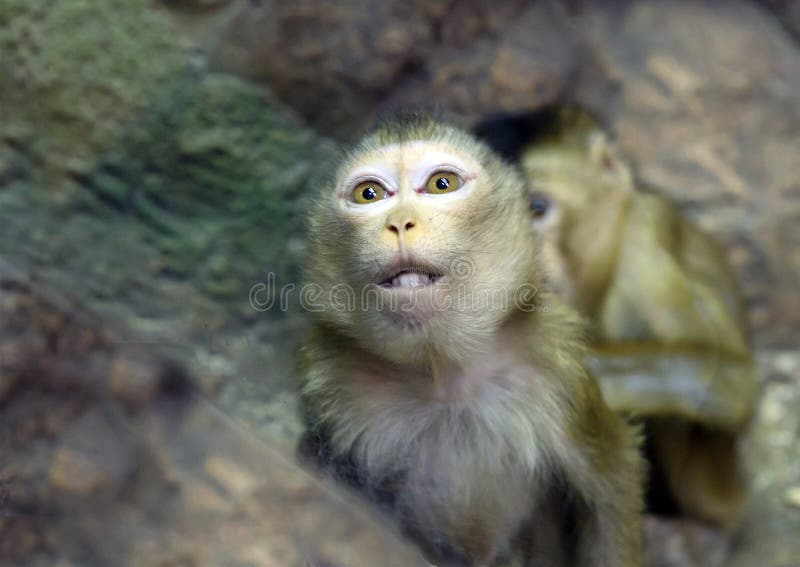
89	478
788	12
206	499
75	471
93	456
236	480
340	64
133	380
705	103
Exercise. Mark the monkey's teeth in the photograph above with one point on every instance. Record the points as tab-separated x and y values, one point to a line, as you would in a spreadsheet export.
410	279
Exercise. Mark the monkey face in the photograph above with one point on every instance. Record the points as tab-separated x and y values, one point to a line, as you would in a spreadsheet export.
577	196
428	239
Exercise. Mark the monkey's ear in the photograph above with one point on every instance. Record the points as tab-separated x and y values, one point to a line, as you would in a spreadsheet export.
605	157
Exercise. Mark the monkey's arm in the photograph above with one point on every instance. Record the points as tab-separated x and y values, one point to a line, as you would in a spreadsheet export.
606	472
707	385
592	451
670	332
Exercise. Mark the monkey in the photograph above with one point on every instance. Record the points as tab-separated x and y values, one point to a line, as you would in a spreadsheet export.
667	328
441	379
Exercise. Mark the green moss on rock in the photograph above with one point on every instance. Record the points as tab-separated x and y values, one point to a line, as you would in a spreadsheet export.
222	172
72	72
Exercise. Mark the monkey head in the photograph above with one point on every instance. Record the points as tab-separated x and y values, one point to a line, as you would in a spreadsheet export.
421	242
578	191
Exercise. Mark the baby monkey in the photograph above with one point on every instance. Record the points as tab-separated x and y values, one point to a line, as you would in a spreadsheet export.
439	382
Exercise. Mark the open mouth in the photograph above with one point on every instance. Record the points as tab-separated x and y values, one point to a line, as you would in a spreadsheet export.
408	277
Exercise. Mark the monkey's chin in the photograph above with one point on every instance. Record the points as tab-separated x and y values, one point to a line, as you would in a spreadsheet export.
422	323
412	306
411	337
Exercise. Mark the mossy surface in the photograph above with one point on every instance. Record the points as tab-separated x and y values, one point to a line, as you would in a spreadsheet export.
197	199
72	72
220	173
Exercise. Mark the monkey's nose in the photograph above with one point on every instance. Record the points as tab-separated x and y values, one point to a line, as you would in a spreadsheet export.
403	229
399	227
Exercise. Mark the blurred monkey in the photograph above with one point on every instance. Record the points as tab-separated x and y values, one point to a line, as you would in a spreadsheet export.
667	326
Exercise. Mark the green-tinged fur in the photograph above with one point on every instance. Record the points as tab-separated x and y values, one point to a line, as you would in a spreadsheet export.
667	324
479	429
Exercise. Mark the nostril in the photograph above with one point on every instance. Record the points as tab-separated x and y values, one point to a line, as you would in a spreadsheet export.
396	226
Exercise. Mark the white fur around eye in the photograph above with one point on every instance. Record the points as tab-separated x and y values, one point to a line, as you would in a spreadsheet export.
360	176
434	162
379	206
406	168
464	180
445	198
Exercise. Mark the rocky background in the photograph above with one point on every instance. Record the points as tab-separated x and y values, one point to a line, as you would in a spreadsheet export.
155	161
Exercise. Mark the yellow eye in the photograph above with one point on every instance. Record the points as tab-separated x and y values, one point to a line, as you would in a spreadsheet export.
443	182
368	192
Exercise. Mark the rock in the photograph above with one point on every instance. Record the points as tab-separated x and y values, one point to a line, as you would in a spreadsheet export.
133	380
168	480
170	228
788	12
237	481
704	101
196	5
792	497
77	472
786	365
92	456
89	66
682	543
468	58
206	499
8	358
772	453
